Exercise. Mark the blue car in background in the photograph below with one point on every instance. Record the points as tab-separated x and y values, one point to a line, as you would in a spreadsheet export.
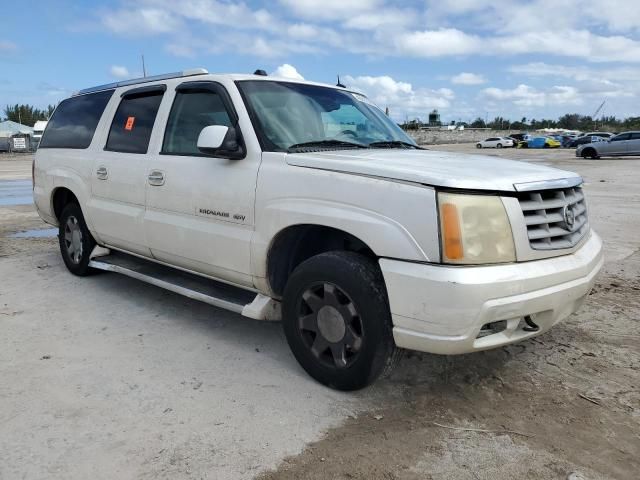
539	142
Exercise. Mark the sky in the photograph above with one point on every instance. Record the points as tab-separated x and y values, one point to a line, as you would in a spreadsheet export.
466	58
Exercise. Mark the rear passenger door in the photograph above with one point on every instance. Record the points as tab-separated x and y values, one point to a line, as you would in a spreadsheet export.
200	208
633	145
119	177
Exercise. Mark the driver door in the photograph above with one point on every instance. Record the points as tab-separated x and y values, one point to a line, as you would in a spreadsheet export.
199	208
618	144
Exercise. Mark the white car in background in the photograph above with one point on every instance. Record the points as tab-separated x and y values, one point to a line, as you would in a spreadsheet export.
495	142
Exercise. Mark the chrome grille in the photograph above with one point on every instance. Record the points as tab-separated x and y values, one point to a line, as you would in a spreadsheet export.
548	215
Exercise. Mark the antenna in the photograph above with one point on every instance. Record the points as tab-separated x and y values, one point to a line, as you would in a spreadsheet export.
599	109
339	84
144	70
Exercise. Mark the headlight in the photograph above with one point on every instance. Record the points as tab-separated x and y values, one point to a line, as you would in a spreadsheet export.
474	229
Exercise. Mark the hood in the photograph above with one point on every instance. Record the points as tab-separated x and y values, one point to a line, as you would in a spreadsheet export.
429	167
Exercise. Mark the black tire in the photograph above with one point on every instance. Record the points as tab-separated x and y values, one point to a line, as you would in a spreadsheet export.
499	145
76	242
590	153
478	145
346	292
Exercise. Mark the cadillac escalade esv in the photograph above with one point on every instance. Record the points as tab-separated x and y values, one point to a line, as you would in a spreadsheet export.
292	200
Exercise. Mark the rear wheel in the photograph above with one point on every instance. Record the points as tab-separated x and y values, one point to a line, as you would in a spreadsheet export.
337	321
499	145
76	243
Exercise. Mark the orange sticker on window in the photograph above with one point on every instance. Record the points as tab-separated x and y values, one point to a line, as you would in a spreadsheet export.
129	124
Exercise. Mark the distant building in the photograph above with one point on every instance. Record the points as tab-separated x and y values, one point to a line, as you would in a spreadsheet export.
434	119
38	129
15	137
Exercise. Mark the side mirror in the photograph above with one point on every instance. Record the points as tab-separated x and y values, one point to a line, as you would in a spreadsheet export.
220	141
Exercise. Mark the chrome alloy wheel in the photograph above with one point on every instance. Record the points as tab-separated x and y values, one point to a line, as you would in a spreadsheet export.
73	239
330	325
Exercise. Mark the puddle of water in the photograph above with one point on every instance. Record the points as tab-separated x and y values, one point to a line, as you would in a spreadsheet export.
16	192
25	200
36	233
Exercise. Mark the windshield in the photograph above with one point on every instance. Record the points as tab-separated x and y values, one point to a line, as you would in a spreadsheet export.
288	116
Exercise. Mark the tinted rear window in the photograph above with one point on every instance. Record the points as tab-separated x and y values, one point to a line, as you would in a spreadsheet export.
75	120
133	122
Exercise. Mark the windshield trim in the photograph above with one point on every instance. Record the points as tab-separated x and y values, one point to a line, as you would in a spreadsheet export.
266	144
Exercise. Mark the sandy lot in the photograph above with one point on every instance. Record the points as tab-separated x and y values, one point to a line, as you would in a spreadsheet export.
106	377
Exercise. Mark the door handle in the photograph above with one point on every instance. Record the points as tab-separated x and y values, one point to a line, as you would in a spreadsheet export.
102	173
156	178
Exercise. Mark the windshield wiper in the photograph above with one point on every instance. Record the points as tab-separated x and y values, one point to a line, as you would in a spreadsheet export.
325	144
393	144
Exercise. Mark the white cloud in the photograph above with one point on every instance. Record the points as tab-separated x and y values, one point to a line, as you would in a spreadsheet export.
374	27
610	83
118	71
7	46
437	43
380	18
330	9
466	78
235	14
401	97
526	96
141	21
287	71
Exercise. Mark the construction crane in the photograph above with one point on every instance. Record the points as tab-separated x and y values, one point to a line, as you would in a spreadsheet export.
598	110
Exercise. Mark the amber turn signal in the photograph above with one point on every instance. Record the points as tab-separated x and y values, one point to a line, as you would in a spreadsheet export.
452	240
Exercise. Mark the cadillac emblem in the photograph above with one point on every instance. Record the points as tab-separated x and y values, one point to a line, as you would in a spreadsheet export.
569	217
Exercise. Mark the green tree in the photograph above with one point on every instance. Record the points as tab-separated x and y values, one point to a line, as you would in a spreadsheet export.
570	121
27	114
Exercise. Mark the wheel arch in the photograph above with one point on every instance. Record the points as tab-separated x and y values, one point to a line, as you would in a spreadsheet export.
296	243
60	198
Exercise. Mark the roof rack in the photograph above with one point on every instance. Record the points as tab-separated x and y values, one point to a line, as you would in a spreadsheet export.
135	81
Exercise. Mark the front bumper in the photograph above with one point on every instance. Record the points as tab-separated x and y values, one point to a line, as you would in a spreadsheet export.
442	309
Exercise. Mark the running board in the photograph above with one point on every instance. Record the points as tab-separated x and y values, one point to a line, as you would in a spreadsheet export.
218	294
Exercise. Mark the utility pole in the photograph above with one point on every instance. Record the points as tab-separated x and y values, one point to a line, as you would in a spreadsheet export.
144	70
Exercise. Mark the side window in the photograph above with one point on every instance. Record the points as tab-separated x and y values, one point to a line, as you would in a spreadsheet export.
193	109
75	120
133	122
624	136
635	136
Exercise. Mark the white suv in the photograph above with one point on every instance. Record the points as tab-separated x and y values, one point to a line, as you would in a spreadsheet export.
288	199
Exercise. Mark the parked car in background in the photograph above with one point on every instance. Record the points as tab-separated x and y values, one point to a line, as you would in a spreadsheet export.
627	143
601	134
514	140
539	142
566	140
590	138
495	142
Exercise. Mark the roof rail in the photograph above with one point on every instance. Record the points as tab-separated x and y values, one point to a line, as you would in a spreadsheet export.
135	81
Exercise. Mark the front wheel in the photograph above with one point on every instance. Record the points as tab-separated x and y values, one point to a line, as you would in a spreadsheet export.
76	243
478	145
336	319
499	145
590	153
